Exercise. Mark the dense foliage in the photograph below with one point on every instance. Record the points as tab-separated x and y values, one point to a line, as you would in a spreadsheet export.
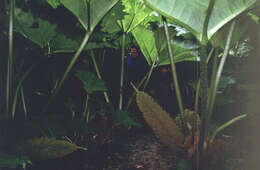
67	85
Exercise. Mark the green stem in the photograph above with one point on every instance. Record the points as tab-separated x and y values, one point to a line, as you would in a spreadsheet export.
103	58
87	119
219	72
9	81
210	54
98	73
86	107
71	64
230	122
122	73
149	73
24	103
19	86
174	74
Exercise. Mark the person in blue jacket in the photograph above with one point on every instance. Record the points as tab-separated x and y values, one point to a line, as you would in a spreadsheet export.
136	66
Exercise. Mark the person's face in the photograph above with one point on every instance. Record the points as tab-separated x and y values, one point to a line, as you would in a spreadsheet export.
164	70
134	53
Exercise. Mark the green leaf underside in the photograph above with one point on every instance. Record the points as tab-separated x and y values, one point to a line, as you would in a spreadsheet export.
154	44
41	34
109	23
98	8
126	15
136	11
146	42
191	13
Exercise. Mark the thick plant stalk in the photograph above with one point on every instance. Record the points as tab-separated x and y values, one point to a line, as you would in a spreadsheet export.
98	74
228	123
203	91
9	81
204	76
196	106
219	72
174	74
122	73
213	77
71	64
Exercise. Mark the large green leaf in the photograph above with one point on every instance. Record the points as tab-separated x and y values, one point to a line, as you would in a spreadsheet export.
160	37
126	15
152	45
89	18
109	23
182	51
146	41
37	30
191	13
136	11
91	82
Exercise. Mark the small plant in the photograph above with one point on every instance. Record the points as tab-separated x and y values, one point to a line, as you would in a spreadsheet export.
14	161
91	84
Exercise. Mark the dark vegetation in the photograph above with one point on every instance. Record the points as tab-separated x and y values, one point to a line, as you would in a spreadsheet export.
73	95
